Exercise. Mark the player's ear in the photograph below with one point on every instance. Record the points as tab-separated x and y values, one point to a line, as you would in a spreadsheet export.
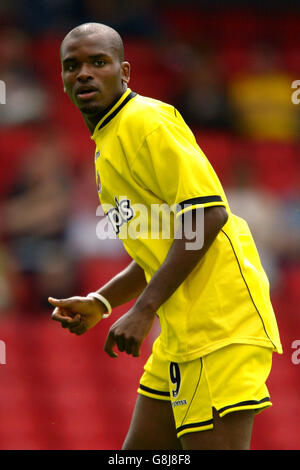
125	72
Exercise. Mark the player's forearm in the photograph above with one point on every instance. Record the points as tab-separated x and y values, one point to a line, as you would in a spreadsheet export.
179	263
125	286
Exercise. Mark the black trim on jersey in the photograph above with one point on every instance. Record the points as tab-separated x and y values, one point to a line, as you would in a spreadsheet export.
198	200
243	403
247	287
155	392
194	425
131	95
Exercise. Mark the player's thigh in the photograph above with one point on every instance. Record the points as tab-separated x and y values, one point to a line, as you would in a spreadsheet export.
152	426
231	432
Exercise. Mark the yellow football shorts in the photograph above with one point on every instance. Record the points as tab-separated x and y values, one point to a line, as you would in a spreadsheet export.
230	379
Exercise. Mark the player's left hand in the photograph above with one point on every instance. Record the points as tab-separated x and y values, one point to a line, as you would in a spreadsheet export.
129	332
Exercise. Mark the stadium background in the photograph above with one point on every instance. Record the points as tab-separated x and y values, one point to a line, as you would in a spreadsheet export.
230	71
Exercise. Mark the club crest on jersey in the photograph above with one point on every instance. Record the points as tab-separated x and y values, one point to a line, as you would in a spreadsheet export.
121	214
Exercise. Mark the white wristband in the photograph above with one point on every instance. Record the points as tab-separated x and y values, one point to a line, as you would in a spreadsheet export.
102	299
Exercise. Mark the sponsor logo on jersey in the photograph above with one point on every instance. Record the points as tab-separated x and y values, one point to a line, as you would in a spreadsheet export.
120	214
179	403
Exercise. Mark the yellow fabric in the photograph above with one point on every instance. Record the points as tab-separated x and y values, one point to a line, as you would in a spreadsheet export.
196	387
147	155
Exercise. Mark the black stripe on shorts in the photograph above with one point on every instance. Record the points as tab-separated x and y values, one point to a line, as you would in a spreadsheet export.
244	403
155	392
194	425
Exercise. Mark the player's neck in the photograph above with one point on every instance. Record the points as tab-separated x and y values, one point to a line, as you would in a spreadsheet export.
92	121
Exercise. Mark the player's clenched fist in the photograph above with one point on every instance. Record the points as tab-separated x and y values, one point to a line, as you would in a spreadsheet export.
128	332
78	314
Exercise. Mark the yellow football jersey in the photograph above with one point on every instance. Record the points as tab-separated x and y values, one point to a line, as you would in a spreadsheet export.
147	157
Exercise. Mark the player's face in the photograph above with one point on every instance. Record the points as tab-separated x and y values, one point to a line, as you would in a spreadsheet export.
92	73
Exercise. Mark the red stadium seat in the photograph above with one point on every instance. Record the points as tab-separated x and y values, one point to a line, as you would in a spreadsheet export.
233	58
290	58
275	165
96	271
45	52
220	150
14	143
184	22
142	54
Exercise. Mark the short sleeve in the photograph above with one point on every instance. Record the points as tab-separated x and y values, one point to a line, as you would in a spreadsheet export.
171	165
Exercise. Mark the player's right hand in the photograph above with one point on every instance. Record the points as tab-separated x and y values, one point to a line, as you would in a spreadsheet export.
77	314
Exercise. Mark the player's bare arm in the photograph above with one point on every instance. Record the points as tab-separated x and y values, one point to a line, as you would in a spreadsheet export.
125	286
128	332
79	314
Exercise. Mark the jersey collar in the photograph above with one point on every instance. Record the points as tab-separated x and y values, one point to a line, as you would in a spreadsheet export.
127	96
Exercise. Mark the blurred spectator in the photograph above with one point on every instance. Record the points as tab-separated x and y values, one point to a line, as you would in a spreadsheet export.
26	98
83	237
261	98
203	100
176	56
290	226
6	287
8	12
261	210
50	16
34	220
128	17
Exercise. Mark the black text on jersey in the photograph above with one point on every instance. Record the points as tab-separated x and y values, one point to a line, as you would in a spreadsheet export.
121	214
